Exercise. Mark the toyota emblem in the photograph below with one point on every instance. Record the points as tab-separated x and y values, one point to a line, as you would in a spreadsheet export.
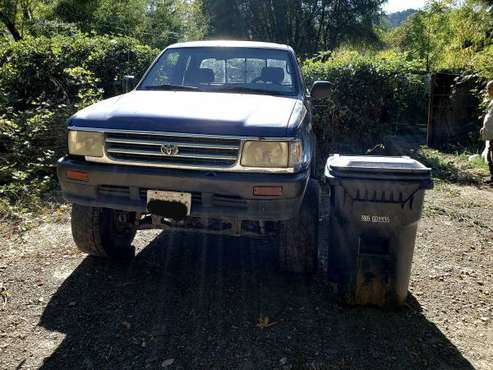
169	150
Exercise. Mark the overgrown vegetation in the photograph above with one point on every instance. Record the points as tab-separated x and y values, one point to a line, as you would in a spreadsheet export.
59	56
307	25
44	81
463	168
370	94
448	37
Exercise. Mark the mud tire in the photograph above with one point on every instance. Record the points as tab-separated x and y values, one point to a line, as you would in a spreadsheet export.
100	232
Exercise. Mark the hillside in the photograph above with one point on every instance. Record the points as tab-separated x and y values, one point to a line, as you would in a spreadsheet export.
396	19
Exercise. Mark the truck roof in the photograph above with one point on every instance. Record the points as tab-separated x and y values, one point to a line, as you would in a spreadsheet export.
231	44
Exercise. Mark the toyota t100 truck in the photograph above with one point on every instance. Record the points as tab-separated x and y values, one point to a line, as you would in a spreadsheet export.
216	136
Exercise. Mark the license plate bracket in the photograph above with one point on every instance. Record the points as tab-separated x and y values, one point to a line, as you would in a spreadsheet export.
169	204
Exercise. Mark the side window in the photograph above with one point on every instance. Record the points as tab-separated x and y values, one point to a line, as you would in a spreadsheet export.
217	66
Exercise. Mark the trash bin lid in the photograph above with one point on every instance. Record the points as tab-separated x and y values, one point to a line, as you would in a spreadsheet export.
376	164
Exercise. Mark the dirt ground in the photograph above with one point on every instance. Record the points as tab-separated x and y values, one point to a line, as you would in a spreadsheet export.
191	301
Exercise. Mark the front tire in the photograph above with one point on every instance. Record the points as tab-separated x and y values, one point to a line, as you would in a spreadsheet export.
299	236
103	232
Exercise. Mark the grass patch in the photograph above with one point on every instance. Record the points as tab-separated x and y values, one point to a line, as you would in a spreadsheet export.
23	213
454	167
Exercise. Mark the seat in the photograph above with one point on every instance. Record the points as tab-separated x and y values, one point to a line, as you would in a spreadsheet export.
200	76
274	75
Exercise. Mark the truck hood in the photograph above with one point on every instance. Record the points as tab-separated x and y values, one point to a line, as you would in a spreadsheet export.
191	112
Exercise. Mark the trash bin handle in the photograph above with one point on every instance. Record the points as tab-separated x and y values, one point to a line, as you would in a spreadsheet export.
388	201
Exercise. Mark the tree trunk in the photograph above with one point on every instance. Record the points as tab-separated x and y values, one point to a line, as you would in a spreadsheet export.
12	29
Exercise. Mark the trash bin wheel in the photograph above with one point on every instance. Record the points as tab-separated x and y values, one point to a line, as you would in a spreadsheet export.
103	232
298	237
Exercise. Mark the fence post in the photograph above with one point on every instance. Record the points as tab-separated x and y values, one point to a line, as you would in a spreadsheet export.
429	130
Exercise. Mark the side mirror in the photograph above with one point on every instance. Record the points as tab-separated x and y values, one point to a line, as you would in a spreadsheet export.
320	89
128	83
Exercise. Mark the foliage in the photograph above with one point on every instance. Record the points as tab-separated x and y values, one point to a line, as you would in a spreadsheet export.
454	167
370	94
157	23
33	139
17	14
307	25
449	37
48	80
33	68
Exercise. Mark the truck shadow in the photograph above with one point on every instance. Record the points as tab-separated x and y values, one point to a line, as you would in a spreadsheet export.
202	302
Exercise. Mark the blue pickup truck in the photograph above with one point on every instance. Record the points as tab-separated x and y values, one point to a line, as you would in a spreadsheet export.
215	137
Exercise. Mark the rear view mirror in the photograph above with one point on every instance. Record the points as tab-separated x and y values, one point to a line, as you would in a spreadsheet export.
128	83
320	89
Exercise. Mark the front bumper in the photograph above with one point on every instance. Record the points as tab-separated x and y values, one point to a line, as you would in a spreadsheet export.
214	194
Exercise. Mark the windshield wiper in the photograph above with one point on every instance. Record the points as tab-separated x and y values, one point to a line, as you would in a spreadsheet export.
171	87
248	90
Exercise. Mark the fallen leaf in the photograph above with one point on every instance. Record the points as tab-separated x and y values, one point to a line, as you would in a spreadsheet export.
168	362
263	322
5	294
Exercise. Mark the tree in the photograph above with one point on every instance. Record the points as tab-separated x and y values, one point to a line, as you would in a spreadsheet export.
448	37
102	16
15	14
307	25
194	22
162	23
154	22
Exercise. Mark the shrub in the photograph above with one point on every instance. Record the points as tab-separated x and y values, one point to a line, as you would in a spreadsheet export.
370	95
44	81
33	139
34	67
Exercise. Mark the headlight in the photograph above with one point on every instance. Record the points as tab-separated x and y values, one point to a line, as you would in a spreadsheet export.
86	143
295	153
265	154
271	154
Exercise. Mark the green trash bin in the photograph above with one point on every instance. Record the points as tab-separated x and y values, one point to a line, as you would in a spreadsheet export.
375	206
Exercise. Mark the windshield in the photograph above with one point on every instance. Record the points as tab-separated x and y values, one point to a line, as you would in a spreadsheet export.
245	70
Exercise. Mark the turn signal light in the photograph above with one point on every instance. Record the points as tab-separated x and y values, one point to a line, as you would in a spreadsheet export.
78	175
267	191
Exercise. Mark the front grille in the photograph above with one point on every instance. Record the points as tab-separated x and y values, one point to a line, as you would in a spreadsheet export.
172	150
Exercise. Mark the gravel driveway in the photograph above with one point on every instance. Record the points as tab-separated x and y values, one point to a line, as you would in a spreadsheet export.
190	301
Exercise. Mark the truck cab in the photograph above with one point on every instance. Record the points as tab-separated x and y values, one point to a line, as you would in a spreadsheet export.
216	137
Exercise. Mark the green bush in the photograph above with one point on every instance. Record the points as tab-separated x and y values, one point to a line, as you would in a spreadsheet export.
34	67
32	140
44	81
369	96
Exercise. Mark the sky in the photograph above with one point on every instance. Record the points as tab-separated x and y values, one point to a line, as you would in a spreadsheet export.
397	5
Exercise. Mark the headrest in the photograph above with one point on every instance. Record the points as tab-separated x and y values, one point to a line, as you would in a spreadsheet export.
272	74
199	76
205	76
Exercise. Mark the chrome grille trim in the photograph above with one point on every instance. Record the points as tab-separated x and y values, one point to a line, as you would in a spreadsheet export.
190	151
178	144
159	154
